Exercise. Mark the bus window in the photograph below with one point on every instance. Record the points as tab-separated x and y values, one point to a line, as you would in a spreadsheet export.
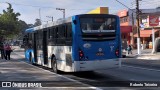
56	32
98	28
53	33
60	34
61	30
90	24
68	34
69	30
49	33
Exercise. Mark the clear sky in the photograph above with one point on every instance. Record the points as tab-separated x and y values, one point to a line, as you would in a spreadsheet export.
32	9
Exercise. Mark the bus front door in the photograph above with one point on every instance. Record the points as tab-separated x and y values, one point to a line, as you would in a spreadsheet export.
45	50
35	46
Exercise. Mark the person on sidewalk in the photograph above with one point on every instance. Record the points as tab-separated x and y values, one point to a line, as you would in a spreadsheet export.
129	49
2	50
8	51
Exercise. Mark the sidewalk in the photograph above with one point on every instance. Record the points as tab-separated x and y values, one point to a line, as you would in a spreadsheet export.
145	54
17	48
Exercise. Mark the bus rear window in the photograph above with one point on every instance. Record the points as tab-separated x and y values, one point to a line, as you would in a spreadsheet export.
91	25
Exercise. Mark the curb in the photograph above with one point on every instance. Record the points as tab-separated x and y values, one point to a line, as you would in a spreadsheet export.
146	56
130	56
153	57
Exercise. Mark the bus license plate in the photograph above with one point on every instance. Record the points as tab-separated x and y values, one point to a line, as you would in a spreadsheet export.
100	54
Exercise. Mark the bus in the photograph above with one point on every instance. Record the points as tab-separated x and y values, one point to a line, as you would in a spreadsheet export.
84	42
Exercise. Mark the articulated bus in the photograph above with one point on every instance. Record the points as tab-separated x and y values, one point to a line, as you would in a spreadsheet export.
84	42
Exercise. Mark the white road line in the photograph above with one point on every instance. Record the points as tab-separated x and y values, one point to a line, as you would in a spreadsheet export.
142	68
68	88
89	86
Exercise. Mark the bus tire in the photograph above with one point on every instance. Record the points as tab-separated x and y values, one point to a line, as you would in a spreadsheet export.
54	65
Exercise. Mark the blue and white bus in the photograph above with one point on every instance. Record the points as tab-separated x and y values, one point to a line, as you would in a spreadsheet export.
84	42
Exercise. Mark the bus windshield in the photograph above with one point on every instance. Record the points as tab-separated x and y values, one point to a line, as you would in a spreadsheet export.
91	25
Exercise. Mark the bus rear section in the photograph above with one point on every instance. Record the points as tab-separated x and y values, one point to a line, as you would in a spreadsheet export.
98	42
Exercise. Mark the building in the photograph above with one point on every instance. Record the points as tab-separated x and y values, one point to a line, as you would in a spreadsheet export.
126	27
99	10
129	26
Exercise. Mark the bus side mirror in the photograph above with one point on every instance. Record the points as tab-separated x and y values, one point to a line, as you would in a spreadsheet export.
74	21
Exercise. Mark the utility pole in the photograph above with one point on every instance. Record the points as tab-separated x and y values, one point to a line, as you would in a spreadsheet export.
50	17
63	10
138	30
40	14
132	30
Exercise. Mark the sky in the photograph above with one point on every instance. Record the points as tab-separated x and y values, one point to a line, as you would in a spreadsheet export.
33	9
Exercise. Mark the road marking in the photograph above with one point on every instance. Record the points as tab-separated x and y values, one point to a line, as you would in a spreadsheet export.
68	88
142	68
89	86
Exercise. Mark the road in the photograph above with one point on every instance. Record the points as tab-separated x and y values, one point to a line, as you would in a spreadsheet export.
18	71
115	78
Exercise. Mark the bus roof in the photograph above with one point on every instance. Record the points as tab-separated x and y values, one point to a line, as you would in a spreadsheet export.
30	30
61	21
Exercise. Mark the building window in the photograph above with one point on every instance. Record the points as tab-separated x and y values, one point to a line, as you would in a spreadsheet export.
124	19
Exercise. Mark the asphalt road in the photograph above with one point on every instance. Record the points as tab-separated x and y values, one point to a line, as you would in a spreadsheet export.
132	71
154	64
16	71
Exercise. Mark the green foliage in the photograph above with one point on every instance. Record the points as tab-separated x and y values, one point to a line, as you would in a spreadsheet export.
38	22
10	25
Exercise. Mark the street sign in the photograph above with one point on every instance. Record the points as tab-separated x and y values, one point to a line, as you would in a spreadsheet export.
142	26
153	20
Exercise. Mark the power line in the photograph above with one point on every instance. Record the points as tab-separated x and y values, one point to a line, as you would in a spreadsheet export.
146	3
67	9
150	1
63	10
125	6
32	5
137	17
47	7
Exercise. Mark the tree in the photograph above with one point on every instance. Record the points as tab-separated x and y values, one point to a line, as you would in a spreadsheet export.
22	26
158	7
9	22
30	25
38	22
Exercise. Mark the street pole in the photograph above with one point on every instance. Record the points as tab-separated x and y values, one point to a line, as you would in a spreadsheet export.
50	17
153	38
132	40
64	14
40	14
138	30
63	10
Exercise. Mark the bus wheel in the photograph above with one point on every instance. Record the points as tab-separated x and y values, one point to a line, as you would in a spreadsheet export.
54	66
